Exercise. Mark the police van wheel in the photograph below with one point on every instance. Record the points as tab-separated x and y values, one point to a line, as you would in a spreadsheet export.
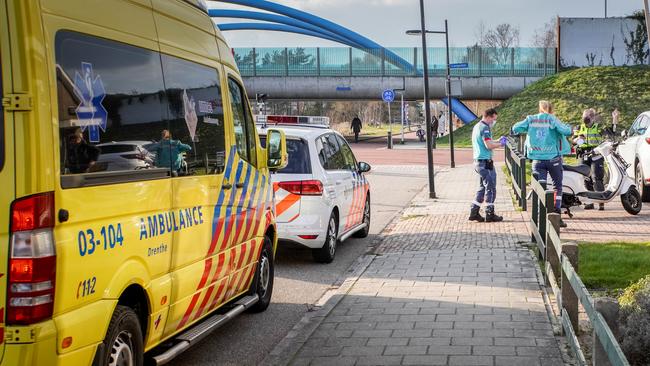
123	345
328	251
263	281
366	220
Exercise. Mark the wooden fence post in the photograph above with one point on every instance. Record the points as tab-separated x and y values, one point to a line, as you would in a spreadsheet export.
570	300
552	257
609	309
522	183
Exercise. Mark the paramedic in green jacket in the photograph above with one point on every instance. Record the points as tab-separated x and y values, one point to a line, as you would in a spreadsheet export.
545	145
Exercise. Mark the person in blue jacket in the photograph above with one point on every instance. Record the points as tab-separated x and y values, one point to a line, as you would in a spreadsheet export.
546	143
169	153
482	146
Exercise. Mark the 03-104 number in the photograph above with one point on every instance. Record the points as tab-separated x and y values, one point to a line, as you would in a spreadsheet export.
109	236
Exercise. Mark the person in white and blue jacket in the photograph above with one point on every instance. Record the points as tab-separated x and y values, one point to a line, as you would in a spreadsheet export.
546	143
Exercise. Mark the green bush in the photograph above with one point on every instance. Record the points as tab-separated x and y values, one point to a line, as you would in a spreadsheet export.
635	322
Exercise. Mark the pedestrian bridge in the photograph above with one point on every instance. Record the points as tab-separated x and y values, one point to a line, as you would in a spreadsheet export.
311	73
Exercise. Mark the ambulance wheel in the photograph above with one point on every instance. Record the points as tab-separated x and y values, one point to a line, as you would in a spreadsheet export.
263	280
366	220
328	251
123	344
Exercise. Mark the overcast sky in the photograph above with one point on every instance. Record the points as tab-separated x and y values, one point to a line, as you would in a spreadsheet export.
384	21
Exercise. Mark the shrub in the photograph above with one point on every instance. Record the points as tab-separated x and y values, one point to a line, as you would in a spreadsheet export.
635	322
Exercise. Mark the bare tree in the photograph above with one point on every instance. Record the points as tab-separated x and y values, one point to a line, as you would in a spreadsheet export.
545	36
500	40
479	33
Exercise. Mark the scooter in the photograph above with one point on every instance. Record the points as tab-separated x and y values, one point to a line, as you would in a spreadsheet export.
620	183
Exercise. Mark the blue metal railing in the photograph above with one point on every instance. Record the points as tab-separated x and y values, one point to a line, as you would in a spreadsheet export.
341	61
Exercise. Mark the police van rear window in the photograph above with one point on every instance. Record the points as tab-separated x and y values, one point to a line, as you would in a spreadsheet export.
298	151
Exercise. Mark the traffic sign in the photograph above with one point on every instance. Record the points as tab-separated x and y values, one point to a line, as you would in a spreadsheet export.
462	65
388	95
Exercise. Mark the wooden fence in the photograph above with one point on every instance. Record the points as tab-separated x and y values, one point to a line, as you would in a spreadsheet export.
516	164
560	264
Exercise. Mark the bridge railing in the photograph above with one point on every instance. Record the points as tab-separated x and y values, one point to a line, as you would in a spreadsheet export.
341	61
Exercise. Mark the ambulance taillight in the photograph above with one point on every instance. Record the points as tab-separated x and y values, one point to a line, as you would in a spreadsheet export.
32	260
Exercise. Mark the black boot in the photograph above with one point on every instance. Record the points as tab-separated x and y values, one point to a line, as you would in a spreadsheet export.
490	216
589	206
475	215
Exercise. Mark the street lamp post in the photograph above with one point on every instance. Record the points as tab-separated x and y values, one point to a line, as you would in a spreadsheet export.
427	107
451	124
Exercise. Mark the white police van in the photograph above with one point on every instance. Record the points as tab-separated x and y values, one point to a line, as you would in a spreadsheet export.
321	196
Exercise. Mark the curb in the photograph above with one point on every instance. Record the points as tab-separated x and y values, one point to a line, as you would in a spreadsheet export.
289	346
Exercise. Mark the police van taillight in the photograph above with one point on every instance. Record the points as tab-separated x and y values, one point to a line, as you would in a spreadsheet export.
32	260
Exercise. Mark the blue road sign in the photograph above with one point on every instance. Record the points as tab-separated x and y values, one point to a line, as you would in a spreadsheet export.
462	65
388	95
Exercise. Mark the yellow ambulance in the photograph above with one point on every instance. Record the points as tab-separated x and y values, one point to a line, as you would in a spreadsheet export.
137	209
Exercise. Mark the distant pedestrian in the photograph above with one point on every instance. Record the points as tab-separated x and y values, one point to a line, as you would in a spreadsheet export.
442	118
442	127
615	117
482	145
435	122
356	127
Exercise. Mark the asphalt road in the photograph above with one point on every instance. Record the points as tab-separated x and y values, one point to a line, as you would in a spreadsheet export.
299	282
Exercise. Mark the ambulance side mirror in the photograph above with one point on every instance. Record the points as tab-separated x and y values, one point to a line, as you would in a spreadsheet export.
276	149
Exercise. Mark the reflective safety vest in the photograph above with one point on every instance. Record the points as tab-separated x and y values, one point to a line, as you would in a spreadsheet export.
593	135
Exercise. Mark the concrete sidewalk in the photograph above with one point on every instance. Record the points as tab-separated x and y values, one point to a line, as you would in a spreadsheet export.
439	291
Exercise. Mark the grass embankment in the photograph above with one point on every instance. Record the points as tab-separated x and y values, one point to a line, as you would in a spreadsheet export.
613	266
602	88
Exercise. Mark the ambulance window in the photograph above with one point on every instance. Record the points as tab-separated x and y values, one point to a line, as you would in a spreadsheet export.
195	111
242	122
110	93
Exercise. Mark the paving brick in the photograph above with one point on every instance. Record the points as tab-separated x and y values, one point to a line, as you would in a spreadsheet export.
405	350
395	325
388	341
380	360
472	341
450	350
493	350
376	333
430	341
362	351
517	361
425	360
412	333
471	361
514	341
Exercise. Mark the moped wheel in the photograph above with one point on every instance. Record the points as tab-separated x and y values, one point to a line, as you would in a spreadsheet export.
632	201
